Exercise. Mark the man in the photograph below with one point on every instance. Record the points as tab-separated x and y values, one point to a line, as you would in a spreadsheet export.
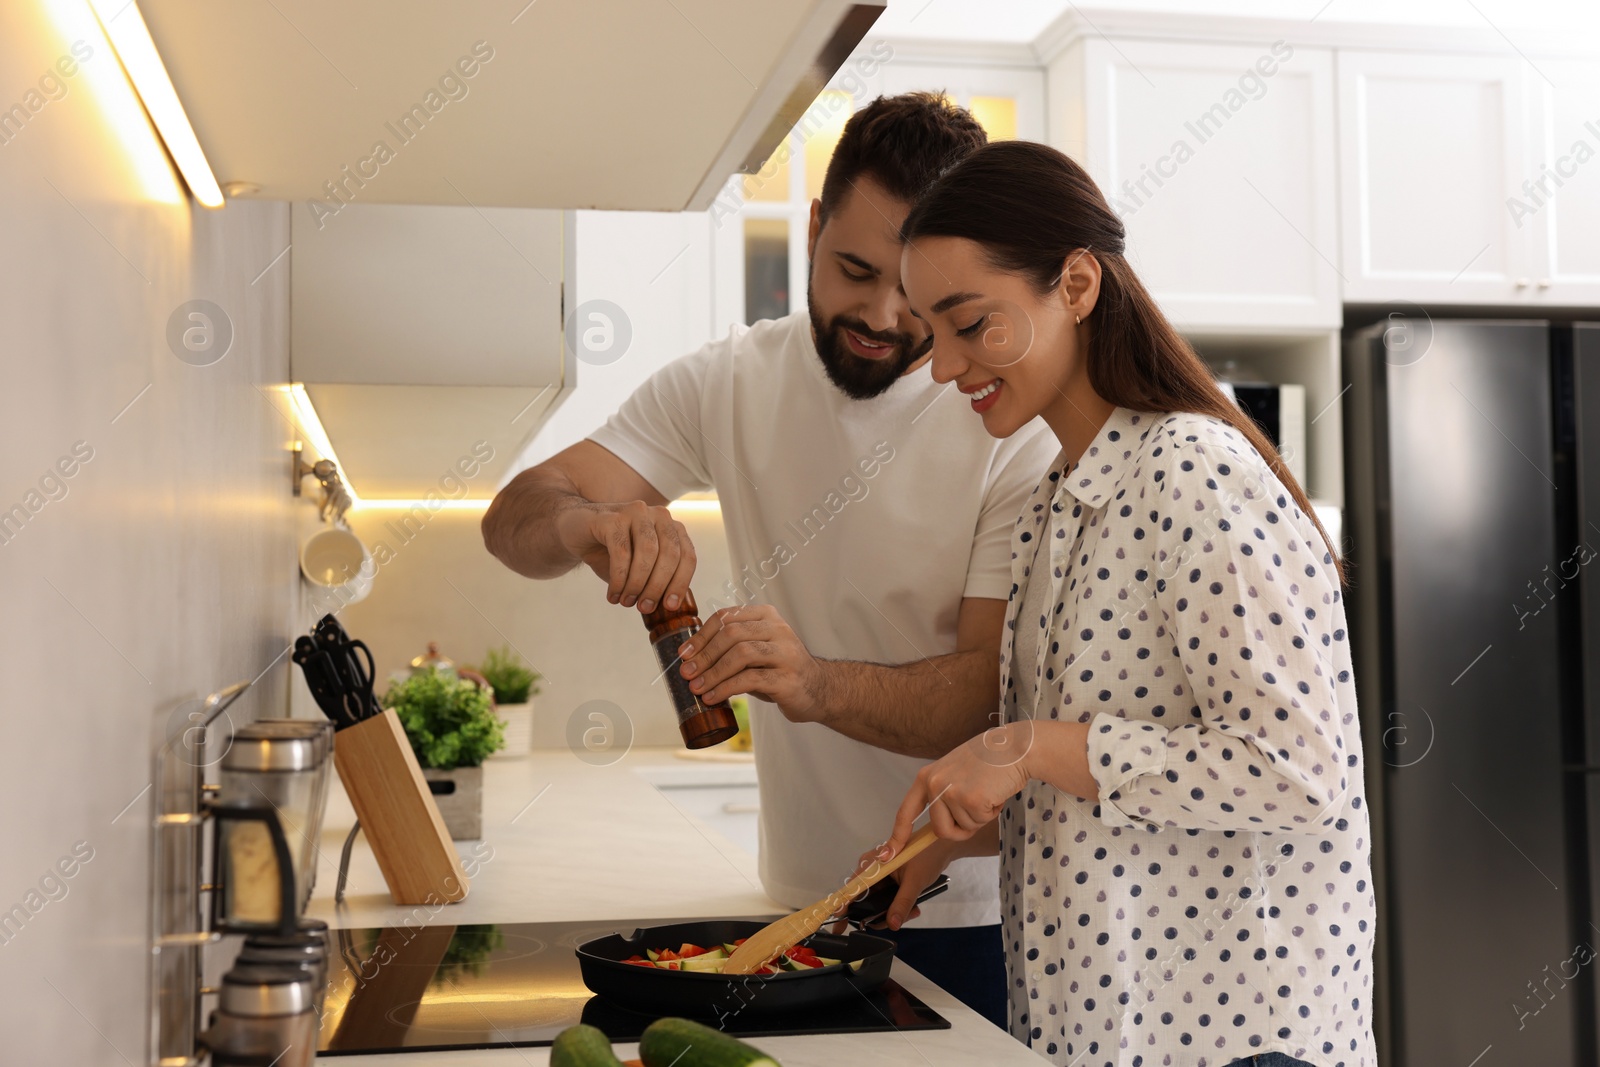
868	517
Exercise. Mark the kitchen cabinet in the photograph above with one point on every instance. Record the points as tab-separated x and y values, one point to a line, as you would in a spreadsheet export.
1559	208
1220	160
1425	204
480	102
429	340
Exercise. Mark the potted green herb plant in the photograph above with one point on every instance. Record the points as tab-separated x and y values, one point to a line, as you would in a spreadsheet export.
452	727
515	685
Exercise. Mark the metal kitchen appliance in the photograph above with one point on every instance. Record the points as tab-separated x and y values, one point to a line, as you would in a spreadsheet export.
257	867
1473	474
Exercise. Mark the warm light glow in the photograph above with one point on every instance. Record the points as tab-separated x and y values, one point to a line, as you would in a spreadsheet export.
997	115
130	37
709	505
118	105
469	504
305	414
821	126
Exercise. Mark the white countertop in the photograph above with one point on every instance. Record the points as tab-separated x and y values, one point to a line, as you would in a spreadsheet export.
569	842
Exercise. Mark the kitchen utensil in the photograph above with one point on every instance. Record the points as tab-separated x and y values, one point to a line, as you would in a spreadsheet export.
321	733
337	566
708	995
432	659
322	680
352	664
339	671
379	769
265	808
789	931
264	1016
871	909
306	947
398	813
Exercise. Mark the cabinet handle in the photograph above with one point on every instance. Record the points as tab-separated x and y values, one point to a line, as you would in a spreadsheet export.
733	807
1544	283
1521	283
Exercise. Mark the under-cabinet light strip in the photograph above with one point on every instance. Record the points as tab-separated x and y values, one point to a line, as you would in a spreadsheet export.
130	38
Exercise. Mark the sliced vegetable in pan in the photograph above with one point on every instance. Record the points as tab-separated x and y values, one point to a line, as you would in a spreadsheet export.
688	957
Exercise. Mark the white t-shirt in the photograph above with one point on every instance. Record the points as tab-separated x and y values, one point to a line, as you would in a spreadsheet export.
865	523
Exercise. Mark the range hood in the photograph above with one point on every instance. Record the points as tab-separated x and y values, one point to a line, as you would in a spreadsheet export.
633	104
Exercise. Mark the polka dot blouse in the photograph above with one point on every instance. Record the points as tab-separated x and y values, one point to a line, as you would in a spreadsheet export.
1215	901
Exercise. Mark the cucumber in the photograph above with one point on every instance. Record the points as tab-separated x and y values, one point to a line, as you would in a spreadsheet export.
582	1046
708	963
680	1042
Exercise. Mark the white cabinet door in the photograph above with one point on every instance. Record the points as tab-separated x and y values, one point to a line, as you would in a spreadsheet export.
1220	160
1558	202
1431	149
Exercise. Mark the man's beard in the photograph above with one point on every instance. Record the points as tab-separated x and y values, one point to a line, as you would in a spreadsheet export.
857	376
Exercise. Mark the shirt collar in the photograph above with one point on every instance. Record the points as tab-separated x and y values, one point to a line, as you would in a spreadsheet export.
1108	457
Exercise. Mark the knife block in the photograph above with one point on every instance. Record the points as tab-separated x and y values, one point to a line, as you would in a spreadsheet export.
380	773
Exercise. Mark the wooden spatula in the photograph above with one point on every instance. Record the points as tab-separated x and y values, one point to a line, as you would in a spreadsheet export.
777	938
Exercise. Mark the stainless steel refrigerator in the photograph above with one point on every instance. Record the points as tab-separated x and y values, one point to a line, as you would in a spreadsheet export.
1473	497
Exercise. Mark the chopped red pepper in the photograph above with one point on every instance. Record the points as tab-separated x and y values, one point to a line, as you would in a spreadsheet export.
690	950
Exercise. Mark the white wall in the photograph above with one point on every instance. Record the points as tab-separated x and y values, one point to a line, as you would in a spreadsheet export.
167	569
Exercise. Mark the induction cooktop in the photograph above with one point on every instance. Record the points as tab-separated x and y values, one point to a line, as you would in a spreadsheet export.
435	987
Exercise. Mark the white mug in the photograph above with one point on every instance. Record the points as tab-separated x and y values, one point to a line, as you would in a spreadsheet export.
338	566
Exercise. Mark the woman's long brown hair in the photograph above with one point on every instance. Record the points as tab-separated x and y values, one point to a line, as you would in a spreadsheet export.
1032	208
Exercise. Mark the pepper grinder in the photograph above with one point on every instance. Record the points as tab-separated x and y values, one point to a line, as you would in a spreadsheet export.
701	724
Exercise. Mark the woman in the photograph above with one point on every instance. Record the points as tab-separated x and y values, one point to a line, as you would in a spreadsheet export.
1178	777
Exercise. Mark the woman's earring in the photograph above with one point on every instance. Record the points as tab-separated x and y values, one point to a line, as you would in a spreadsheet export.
1078	319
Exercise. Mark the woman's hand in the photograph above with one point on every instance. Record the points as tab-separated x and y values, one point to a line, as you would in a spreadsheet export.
921	870
967	788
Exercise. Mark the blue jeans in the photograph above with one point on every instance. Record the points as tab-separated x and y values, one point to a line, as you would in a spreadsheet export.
1270	1059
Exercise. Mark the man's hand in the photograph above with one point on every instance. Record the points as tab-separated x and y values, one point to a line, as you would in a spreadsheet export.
752	650
642	552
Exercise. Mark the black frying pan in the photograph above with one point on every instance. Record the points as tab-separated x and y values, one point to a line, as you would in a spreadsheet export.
866	962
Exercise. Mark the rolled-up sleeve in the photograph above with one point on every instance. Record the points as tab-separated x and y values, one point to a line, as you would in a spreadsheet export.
1246	589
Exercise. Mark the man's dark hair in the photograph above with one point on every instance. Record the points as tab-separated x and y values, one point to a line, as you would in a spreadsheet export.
901	142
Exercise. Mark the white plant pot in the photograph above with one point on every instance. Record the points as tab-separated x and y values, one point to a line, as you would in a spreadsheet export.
518	730
458	793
